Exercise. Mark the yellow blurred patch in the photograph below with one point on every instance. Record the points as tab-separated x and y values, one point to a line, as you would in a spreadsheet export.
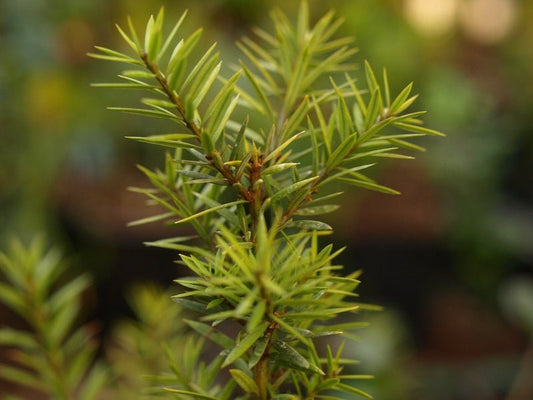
47	100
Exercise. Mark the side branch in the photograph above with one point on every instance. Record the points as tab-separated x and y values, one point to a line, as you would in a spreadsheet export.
214	156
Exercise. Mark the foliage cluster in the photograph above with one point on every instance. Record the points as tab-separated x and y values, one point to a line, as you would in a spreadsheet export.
251	163
51	355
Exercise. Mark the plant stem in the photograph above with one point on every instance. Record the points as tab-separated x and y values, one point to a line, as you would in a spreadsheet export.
196	130
260	370
51	351
261	378
172	95
261	375
312	189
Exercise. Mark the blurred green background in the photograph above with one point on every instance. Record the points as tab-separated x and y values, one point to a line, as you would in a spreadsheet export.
451	259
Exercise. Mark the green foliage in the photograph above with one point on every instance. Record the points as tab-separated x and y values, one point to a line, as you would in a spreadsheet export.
136	350
249	162
50	355
251	158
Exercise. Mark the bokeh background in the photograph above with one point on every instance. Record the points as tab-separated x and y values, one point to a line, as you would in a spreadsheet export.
451	259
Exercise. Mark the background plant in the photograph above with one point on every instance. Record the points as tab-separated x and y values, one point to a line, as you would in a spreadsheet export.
50	354
248	189
54	353
138	346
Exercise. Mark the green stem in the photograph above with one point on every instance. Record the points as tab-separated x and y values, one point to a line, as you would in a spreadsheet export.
261	378
261	374
51	351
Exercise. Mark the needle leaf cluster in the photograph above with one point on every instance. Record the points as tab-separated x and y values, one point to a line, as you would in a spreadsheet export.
50	354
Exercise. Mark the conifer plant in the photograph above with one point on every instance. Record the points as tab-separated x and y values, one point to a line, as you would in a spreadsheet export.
48	355
256	154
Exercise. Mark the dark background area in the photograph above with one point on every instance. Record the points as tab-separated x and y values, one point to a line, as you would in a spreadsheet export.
451	259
